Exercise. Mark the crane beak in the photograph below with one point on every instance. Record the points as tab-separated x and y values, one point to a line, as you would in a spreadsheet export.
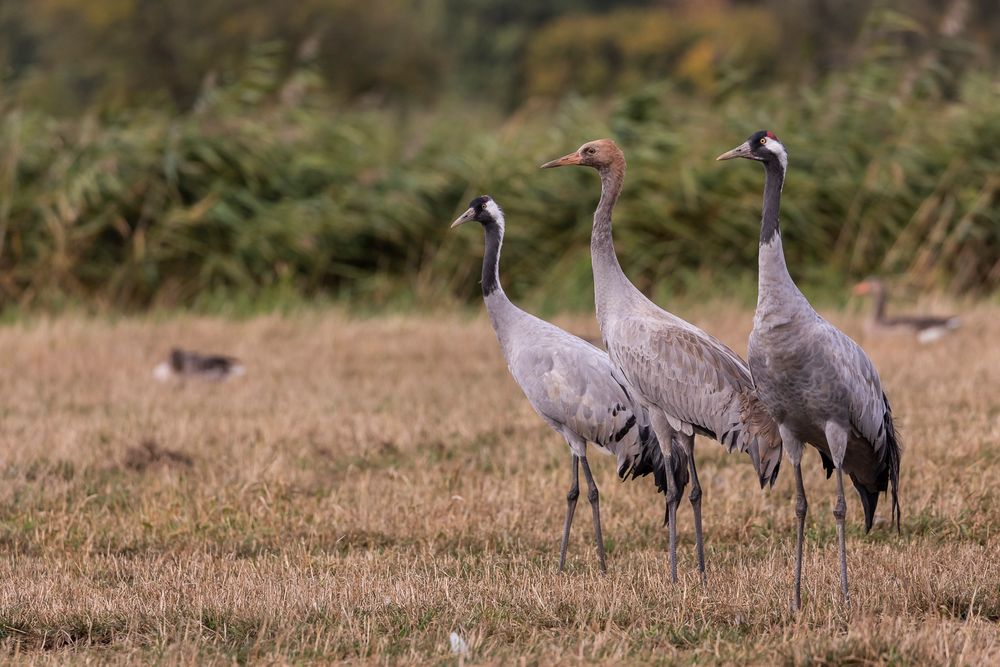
743	150
470	214
572	158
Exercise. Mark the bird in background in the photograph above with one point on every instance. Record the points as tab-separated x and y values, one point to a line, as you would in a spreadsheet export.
570	384
926	328
185	364
817	383
689	382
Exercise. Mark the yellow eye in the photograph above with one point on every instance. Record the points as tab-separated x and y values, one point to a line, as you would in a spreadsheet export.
763	140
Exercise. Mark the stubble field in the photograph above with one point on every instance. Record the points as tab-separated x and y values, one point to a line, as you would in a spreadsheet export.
373	485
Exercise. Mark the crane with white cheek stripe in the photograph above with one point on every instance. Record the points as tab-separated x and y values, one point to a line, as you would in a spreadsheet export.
570	385
817	384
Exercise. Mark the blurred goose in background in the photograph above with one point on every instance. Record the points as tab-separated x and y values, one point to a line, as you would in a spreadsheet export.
927	328
184	364
570	384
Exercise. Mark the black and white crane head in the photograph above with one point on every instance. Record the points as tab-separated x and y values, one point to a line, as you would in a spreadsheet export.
762	146
483	210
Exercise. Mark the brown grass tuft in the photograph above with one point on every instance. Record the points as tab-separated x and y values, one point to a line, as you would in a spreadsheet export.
149	453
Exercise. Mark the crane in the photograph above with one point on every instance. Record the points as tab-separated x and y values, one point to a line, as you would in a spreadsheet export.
570	384
926	328
818	384
689	382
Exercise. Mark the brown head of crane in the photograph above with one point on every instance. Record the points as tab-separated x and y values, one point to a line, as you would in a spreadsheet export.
689	382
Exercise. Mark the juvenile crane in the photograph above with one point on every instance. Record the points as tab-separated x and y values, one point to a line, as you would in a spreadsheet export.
927	328
569	383
817	383
689	382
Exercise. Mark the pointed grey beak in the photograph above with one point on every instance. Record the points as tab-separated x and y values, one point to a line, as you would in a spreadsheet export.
470	214
743	150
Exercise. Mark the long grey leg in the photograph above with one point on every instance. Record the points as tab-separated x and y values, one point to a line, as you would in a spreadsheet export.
665	436
672	530
695	498
800	514
574	493
840	513
595	504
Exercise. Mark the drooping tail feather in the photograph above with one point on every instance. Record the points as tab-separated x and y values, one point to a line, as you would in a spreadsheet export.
763	443
650	460
888	477
892	457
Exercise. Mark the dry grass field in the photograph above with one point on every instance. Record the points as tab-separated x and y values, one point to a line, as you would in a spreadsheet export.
373	485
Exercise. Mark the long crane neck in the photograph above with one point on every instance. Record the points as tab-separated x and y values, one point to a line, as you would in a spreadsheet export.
773	277
491	258
774	180
602	248
504	315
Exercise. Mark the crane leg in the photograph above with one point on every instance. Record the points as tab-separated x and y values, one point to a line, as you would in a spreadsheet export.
672	531
666	434
800	514
840	513
695	499
595	504
574	493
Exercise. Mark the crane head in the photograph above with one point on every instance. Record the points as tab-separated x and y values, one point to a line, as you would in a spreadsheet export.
598	154
762	146
483	210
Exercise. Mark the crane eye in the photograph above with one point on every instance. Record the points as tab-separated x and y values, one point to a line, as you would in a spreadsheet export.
591	150
763	140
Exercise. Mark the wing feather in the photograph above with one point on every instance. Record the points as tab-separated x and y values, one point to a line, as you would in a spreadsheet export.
861	383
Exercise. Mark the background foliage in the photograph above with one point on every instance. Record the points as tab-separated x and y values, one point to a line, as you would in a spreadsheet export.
176	153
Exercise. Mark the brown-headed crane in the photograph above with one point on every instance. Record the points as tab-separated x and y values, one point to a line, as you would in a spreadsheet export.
689	382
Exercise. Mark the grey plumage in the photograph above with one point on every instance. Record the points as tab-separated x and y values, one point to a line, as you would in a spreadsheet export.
688	381
568	382
815	381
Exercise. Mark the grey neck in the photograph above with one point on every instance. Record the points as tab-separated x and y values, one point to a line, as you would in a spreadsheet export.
503	314
602	248
774	284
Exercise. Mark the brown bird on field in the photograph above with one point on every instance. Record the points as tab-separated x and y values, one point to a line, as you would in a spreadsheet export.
927	328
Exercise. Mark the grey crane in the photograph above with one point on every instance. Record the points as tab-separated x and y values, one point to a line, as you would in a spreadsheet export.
816	382
688	381
569	383
927	328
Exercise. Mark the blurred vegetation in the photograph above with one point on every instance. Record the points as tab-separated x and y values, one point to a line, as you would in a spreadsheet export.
156	153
